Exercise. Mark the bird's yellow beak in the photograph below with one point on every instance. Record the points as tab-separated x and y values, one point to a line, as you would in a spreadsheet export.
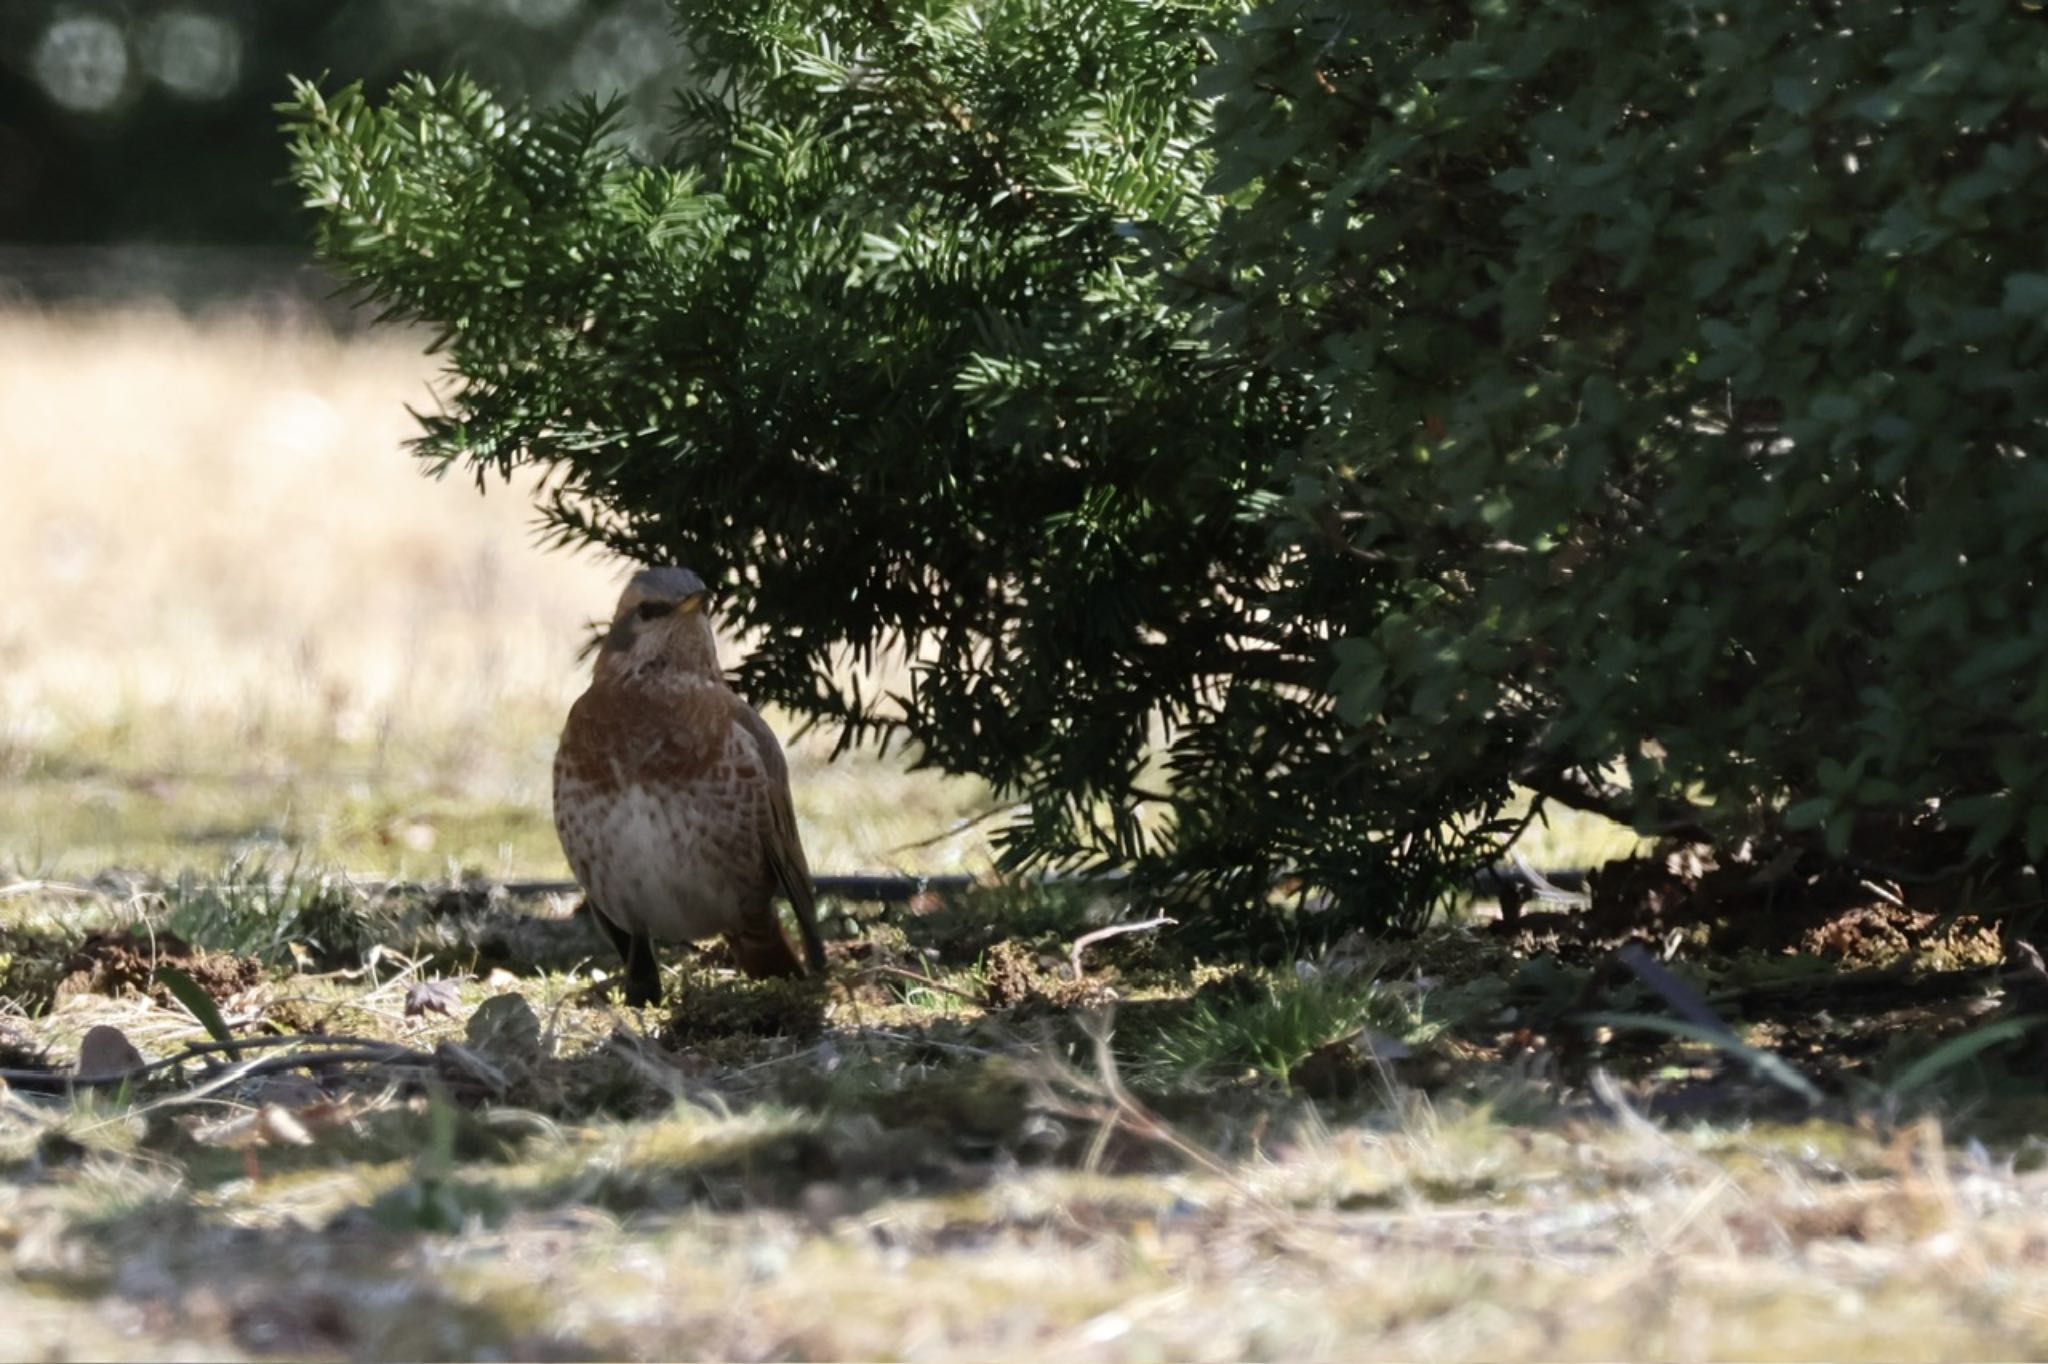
691	605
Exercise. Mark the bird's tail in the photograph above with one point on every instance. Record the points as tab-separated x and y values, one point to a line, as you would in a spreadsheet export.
786	865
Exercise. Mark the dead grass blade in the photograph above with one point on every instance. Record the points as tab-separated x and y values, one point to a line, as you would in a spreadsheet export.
1103	1099
1766	1065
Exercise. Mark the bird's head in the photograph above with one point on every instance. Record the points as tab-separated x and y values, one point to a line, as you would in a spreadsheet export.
660	626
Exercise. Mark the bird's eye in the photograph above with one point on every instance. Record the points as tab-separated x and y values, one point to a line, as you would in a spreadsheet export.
652	610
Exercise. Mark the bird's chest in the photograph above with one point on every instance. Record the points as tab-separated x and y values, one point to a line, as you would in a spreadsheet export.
658	860
658	816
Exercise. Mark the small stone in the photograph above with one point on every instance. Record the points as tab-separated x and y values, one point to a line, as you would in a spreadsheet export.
105	1053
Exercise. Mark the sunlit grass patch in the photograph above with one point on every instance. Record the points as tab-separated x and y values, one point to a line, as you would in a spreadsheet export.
1566	839
313	650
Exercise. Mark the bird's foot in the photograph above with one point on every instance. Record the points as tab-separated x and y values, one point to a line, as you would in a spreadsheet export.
615	990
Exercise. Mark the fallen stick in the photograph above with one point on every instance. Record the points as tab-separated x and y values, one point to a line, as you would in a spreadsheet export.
1113	931
319	1048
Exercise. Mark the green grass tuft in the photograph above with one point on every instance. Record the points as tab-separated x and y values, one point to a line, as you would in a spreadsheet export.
1271	1024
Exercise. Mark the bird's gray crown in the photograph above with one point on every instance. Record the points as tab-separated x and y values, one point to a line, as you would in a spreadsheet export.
667	583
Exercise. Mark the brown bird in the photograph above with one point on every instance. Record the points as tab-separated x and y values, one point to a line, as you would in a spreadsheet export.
672	796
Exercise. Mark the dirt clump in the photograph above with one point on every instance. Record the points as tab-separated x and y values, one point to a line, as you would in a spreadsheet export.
1880	933
300	1016
121	963
1010	975
1016	978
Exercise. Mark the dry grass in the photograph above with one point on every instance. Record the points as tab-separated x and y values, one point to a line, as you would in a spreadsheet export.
242	619
1660	1250
931	1157
913	1183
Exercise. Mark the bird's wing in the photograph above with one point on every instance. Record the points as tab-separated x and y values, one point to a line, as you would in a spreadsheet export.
785	849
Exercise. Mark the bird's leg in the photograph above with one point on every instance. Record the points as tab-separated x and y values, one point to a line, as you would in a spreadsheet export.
643	972
636	950
621	939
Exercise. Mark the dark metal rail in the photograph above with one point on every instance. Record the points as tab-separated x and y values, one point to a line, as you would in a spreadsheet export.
894	888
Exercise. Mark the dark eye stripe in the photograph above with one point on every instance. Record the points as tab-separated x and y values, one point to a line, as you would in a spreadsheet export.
651	610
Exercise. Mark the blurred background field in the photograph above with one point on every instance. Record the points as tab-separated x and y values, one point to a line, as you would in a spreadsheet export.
244	623
240	623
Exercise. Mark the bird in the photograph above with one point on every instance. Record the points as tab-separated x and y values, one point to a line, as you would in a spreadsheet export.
671	796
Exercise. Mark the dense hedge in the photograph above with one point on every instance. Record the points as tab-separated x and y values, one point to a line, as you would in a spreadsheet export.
1689	362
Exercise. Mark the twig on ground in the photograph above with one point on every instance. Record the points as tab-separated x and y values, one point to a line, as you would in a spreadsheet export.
53	1081
1850	989
1113	931
381	1054
320	1039
934	1043
1546	889
345	1050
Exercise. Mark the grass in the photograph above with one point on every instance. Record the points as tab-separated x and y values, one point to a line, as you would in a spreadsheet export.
1273	1027
255	628
1145	1168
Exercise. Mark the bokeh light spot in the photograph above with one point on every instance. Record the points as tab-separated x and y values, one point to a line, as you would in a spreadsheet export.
619	52
82	61
541	13
194	54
